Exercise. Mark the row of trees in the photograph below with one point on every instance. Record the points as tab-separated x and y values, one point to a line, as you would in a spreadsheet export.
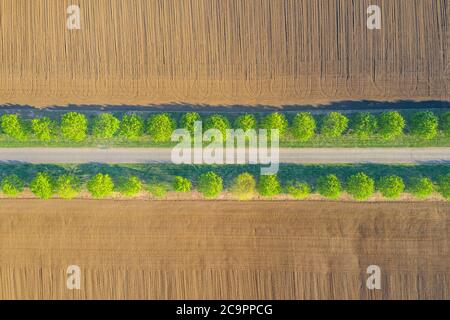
360	186
75	126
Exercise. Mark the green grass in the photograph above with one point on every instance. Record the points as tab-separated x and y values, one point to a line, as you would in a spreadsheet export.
318	141
166	172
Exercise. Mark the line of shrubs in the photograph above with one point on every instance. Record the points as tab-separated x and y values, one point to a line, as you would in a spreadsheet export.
75	126
360	186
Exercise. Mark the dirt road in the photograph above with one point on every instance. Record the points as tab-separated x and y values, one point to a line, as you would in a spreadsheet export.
287	155
223	250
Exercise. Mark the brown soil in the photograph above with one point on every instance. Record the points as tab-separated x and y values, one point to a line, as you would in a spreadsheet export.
223	249
222	52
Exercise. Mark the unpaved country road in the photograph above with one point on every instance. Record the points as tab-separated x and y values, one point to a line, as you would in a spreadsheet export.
287	155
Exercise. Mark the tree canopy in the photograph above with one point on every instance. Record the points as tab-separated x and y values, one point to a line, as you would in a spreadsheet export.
303	126
269	185
131	127
68	186
42	185
391	125
298	190
43	128
424	125
160	127
181	184
74	126
329	186
12	185
275	121
391	187
364	124
100	185
13	126
210	185
243	187
105	126
360	186
334	125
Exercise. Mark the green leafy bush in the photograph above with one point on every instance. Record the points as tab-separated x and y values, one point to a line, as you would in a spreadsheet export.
269	186
44	128
105	126
158	189
129	186
13	126
329	186
100	185
218	122
74	126
298	190
334	124
360	186
12	185
391	125
303	126
42	186
210	185
181	184
421	188
364	124
444	186
68	186
275	121
245	122
188	120
160	127
445	123
391	187
243	186
131	127
425	125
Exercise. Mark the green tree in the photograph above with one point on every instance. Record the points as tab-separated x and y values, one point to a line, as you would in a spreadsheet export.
158	189
269	186
131	127
13	126
210	185
68	186
218	122
181	184
298	190
334	124
160	127
245	122
42	186
391	187
444	186
425	125
329	186
445	123
129	186
303	126
421	188
390	125
243	186
12	185
100	186
360	186
74	126
105	126
276	121
188	120
364	124
44	128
